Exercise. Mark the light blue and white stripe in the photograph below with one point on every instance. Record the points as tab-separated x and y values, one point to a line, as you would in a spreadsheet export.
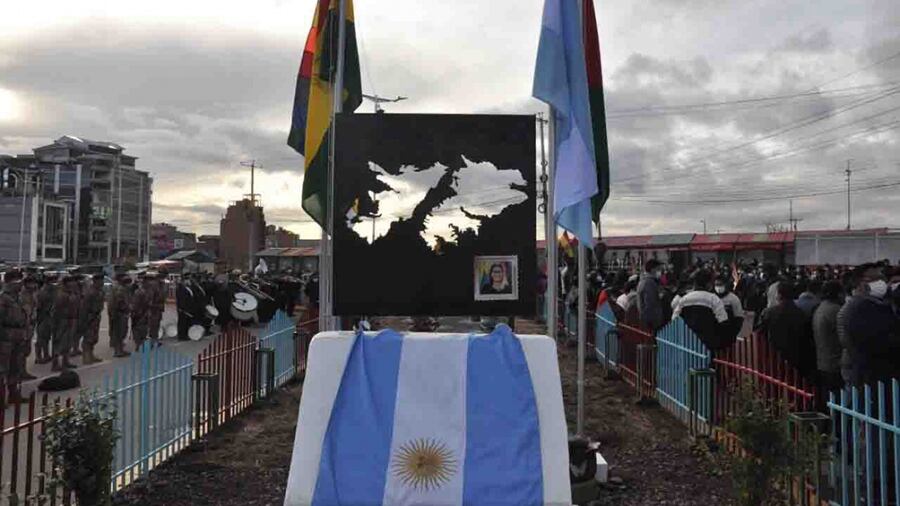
468	403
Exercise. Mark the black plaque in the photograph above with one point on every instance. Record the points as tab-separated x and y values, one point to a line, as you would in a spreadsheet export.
453	200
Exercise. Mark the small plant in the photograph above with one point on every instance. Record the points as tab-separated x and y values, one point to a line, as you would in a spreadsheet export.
767	453
80	441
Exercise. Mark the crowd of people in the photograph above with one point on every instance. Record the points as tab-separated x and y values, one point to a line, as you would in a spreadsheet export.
836	325
57	316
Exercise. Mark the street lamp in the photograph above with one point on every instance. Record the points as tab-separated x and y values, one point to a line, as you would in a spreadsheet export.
704	226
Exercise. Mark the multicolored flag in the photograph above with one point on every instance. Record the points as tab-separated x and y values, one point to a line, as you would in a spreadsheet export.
598	108
561	80
311	124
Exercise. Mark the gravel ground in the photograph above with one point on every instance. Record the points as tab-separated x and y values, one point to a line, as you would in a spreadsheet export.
246	462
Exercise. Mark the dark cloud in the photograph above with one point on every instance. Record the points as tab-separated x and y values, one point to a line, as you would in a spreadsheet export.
818	41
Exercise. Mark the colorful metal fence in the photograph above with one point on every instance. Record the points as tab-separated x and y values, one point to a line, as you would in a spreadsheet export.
153	399
753	359
684	383
606	342
866	451
231	359
278	337
164	401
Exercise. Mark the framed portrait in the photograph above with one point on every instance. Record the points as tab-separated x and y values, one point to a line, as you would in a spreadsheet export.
496	278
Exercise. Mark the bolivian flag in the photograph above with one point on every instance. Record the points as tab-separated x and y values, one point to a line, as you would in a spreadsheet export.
311	124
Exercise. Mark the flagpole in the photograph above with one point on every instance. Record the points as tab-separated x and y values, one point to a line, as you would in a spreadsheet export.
582	322
337	94
550	232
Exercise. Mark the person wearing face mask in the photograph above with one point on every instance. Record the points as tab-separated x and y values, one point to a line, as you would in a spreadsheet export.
871	331
732	302
648	300
705	314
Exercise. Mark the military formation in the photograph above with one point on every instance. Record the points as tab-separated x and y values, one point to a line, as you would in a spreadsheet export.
60	316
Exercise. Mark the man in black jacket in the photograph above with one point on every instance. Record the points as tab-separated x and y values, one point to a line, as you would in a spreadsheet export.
871	330
789	331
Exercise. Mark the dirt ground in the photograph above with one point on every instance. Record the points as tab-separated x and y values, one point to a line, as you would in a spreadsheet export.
647	449
246	462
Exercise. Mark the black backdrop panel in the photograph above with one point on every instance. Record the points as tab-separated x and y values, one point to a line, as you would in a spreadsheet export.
454	189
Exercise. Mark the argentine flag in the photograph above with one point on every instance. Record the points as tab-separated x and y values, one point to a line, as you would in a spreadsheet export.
430	419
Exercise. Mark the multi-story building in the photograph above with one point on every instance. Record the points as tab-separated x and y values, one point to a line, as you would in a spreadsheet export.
109	201
243	234
33	228
278	237
166	239
209	244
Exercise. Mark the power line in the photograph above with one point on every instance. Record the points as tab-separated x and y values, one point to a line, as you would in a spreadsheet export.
756	199
718	105
779	131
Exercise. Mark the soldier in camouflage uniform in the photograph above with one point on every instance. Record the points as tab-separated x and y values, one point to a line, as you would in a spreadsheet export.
13	332
93	311
157	306
66	311
81	327
140	312
118	308
46	296
29	302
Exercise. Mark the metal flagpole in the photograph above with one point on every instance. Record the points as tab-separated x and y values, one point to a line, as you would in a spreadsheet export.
326	302
582	322
550	233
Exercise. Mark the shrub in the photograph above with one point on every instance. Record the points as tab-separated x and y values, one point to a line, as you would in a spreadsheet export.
80	441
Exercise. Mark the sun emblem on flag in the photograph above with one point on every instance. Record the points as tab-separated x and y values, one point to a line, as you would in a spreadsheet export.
424	464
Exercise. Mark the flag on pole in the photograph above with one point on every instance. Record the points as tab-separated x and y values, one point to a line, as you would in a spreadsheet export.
598	107
311	124
561	80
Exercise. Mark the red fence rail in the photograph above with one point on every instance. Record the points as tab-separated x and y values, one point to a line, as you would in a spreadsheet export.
233	358
754	359
636	360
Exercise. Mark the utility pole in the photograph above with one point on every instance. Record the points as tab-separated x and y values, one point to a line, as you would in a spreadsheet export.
377	101
252	164
251	224
848	172
704	226
793	221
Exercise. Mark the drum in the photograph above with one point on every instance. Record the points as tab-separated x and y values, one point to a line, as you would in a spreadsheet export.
211	312
195	332
169	330
243	307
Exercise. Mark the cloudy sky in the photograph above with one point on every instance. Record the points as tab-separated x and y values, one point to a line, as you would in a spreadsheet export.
719	110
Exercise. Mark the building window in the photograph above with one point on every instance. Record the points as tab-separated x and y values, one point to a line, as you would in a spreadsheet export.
55	225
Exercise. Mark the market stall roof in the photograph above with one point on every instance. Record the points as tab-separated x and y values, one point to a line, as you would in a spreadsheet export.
730	242
289	252
628	241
